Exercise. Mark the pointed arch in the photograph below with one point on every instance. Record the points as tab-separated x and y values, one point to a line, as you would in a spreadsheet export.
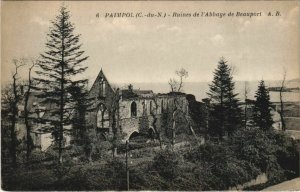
102	116
102	87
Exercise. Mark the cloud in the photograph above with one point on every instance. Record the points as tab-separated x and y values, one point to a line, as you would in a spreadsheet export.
217	40
292	18
115	24
159	27
40	21
244	25
103	29
175	30
293	15
123	24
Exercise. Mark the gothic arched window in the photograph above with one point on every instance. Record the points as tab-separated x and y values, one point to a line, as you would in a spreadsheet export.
133	109
144	107
102	117
102	88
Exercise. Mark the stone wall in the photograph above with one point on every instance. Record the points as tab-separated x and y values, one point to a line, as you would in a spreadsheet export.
162	109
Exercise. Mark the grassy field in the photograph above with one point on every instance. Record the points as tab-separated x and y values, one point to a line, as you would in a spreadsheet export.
291	110
292	123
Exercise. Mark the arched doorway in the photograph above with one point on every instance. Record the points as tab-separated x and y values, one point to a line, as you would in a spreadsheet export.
133	136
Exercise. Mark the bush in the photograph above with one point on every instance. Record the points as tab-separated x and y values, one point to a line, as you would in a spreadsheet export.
101	150
27	179
166	163
218	168
270	151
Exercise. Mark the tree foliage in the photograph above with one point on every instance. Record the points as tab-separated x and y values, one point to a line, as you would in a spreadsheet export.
58	67
262	116
80	128
225	114
166	163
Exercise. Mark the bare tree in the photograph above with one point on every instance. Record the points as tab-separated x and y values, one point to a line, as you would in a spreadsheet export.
154	116
29	142
182	73
174	84
281	100
7	100
177	86
178	110
16	96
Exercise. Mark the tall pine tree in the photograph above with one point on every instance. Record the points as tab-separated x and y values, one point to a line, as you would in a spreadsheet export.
262	116
225	114
83	104
58	67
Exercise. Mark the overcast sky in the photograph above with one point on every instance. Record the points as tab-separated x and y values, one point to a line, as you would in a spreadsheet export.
151	49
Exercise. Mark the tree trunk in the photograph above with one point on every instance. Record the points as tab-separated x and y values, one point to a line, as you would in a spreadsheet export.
194	134
245	114
28	128
157	132
13	126
160	141
173	129
222	118
13	139
281	110
61	127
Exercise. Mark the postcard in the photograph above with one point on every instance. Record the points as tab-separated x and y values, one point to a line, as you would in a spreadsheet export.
150	95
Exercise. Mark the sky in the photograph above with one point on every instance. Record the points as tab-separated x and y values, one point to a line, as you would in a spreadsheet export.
144	49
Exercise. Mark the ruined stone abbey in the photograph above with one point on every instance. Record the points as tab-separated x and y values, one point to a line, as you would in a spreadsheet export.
131	111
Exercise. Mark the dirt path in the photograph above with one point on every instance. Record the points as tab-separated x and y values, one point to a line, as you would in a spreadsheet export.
291	185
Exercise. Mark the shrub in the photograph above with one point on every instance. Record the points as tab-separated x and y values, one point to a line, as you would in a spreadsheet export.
101	149
218	168
27	179
270	151
166	163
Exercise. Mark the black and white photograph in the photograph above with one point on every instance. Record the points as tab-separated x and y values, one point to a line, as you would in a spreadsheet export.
150	95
